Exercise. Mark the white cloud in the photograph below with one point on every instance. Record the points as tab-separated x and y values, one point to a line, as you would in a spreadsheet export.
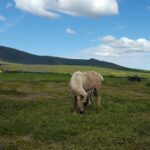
108	38
111	46
37	7
2	18
52	8
70	31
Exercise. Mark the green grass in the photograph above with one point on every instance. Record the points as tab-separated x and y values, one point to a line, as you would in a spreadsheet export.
70	69
58	77
36	112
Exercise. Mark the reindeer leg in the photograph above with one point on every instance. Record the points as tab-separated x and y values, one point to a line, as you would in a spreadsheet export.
75	104
80	104
98	99
97	95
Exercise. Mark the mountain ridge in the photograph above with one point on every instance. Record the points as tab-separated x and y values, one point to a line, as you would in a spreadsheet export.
13	55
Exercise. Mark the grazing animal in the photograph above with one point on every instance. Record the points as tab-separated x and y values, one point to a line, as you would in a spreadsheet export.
134	78
81	84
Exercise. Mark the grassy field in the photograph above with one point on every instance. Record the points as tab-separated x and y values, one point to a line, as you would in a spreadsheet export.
36	112
70	69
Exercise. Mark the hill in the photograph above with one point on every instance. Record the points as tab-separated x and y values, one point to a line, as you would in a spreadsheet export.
16	56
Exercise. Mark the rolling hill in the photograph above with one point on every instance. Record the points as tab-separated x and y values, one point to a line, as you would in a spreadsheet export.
16	56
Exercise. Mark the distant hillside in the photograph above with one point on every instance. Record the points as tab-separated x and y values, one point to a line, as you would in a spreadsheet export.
16	56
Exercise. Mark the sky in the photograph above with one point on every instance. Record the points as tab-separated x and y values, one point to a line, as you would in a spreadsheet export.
108	30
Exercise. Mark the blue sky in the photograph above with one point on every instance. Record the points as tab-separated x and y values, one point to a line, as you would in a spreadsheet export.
118	31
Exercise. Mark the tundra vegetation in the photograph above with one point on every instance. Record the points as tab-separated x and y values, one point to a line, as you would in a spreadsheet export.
36	111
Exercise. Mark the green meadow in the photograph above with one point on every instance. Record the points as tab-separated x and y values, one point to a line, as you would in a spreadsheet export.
36	110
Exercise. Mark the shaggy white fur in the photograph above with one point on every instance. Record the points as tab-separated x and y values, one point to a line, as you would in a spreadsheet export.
83	82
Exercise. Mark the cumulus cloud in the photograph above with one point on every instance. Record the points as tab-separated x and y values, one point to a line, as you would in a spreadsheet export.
37	7
2	18
70	31
111	46
53	8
